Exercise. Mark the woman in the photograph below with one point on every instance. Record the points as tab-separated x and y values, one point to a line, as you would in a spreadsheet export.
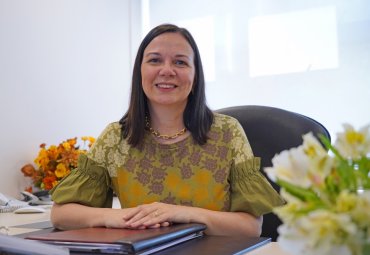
169	159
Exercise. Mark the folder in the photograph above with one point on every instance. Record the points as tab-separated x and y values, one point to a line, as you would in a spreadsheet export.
121	241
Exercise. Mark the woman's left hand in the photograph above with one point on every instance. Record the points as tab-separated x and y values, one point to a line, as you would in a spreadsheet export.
156	214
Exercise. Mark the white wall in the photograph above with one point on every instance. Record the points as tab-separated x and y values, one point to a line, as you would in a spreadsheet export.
312	57
65	65
64	72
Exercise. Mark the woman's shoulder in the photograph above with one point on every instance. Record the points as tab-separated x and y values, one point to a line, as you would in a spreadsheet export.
112	128
110	136
224	121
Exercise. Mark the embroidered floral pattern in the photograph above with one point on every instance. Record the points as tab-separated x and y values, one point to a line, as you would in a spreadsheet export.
181	173
241	145
210	149
220	175
195	158
105	152
143	177
210	164
222	152
169	199
159	174
130	165
167	160
186	171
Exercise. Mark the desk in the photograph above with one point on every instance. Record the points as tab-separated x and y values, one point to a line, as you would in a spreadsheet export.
12	220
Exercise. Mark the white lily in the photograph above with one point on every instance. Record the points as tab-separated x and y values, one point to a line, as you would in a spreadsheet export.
320	163
353	144
291	166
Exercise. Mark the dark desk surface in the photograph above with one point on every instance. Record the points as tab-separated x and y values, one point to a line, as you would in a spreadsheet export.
215	245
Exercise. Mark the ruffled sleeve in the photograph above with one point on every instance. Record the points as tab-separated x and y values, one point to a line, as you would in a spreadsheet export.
250	190
89	185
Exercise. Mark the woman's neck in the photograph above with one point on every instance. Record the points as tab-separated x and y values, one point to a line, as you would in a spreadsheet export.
167	122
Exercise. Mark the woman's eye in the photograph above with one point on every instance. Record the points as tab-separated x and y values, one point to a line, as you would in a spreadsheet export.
180	62
153	60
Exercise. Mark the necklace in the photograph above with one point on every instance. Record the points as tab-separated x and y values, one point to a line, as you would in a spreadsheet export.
158	135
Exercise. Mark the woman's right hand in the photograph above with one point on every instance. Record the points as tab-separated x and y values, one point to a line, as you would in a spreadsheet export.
72	216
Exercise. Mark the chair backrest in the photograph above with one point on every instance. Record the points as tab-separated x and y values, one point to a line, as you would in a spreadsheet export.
271	130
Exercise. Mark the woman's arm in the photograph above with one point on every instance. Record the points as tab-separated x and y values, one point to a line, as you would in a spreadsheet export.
229	223
73	216
218	223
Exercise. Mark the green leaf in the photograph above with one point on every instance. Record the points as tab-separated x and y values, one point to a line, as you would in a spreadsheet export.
366	249
363	171
347	176
299	192
330	147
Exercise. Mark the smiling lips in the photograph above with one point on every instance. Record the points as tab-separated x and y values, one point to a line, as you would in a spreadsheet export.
165	86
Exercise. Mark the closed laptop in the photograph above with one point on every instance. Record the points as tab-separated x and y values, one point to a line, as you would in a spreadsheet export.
122	241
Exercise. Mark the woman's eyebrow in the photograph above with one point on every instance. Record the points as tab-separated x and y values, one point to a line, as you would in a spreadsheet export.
180	55
152	53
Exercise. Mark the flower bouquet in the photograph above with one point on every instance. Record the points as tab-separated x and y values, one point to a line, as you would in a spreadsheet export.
55	162
327	194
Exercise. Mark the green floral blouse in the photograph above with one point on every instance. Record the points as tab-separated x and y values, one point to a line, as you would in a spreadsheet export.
221	175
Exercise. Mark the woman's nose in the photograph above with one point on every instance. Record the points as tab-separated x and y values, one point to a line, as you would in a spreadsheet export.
167	69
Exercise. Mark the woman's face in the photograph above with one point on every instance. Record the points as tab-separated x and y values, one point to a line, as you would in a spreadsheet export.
168	70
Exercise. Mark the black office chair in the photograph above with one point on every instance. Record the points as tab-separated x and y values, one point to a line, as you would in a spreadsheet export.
271	130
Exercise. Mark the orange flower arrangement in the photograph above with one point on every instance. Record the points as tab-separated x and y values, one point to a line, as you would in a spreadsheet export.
55	162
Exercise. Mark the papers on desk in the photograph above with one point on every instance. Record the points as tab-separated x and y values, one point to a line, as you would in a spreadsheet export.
19	246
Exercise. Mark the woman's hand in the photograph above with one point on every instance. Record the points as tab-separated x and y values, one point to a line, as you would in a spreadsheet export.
218	222
116	218
72	216
155	214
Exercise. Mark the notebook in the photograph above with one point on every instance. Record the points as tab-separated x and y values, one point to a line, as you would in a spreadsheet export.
122	241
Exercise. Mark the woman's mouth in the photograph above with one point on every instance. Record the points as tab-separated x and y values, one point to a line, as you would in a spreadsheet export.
165	86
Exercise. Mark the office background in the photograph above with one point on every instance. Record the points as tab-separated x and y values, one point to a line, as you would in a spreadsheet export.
65	65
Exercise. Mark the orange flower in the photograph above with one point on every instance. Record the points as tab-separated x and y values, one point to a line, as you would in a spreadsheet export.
73	141
42	159
48	182
55	162
67	146
53	152
28	170
28	189
61	171
88	138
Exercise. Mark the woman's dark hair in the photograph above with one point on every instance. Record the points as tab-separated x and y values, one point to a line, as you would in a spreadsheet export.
198	118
